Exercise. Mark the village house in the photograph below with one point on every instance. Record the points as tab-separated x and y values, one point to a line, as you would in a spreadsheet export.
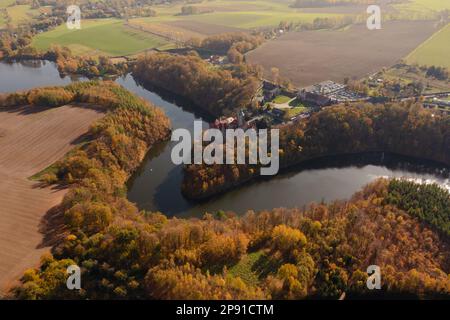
314	98
225	123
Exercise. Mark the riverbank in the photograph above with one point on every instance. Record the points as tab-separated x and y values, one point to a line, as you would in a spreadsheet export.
161	258
70	65
398	128
102	157
218	91
156	184
374	159
117	244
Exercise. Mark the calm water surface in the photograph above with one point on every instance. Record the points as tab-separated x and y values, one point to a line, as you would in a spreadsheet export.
156	186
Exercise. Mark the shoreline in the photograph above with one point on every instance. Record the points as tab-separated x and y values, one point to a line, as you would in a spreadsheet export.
292	166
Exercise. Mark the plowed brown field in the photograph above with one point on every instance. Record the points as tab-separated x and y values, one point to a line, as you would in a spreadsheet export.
313	56
31	139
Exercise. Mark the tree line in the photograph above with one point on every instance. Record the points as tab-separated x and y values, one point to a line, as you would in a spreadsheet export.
222	43
19	47
429	203
217	91
319	252
401	128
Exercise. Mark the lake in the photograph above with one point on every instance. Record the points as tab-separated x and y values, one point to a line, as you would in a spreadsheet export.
156	185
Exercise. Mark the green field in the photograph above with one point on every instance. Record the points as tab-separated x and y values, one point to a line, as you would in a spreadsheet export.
113	38
227	6
405	75
2	21
6	3
21	14
255	19
293	112
281	99
435	51
100	37
238	14
245	269
424	5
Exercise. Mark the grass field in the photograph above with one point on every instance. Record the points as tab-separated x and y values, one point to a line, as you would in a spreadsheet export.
106	36
423	5
2	21
21	14
290	113
223	14
115	38
434	51
253	267
227	6
6	3
171	33
405	75
255	19
245	269
281	99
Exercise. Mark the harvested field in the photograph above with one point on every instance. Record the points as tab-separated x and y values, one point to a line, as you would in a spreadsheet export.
234	14
165	30
385	6
203	27
31	139
314	56
355	9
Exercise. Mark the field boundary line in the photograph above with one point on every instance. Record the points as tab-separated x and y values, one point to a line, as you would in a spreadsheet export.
426	41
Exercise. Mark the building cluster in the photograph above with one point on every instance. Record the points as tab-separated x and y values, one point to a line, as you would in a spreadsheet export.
327	93
217	60
438	102
441	103
267	92
240	121
314	97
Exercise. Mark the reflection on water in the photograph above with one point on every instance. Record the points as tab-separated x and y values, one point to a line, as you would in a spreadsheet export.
325	179
30	74
156	186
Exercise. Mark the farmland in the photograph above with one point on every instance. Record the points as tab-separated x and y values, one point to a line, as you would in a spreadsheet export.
115	37
314	56
255	19
226	16
6	3
21	14
3	5
406	74
243	19
423	5
168	32
30	141
435	51
100	37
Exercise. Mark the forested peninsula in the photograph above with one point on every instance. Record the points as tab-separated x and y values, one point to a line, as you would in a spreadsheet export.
405	128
